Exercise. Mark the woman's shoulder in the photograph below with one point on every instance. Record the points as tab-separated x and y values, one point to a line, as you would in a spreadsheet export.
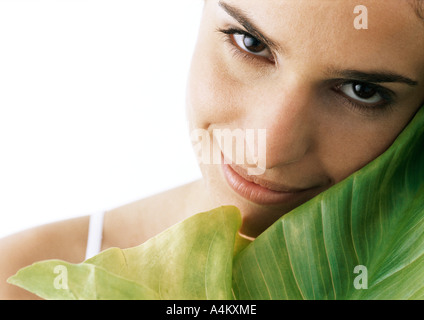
123	227
145	218
64	240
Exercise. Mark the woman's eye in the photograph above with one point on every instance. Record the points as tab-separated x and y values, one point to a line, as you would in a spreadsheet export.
251	45
362	92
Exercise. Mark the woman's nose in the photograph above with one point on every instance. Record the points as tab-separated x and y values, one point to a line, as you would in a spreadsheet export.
289	120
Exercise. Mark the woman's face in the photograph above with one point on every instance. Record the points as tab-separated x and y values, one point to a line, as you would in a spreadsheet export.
331	97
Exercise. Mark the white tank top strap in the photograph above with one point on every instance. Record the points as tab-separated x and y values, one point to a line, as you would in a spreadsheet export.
95	234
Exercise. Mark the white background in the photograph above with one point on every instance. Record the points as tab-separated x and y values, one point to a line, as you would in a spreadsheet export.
92	105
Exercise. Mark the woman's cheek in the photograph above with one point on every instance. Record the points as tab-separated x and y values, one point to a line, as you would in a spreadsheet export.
212	93
347	148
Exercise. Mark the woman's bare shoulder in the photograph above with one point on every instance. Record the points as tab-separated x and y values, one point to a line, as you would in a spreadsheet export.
125	226
145	218
64	240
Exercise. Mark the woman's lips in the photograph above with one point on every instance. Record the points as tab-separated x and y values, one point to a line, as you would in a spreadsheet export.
261	191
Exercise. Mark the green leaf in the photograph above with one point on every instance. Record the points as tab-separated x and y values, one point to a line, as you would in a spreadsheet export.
191	260
59	280
374	219
361	239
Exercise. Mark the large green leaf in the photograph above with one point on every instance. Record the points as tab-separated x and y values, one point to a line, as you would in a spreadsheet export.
374	219
191	260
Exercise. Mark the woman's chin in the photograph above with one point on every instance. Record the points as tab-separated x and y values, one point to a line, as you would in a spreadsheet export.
257	214
255	218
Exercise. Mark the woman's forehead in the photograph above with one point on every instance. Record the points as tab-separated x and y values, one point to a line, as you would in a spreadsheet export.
326	15
276	6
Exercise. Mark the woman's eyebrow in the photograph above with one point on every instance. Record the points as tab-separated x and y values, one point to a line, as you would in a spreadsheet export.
373	77
241	17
